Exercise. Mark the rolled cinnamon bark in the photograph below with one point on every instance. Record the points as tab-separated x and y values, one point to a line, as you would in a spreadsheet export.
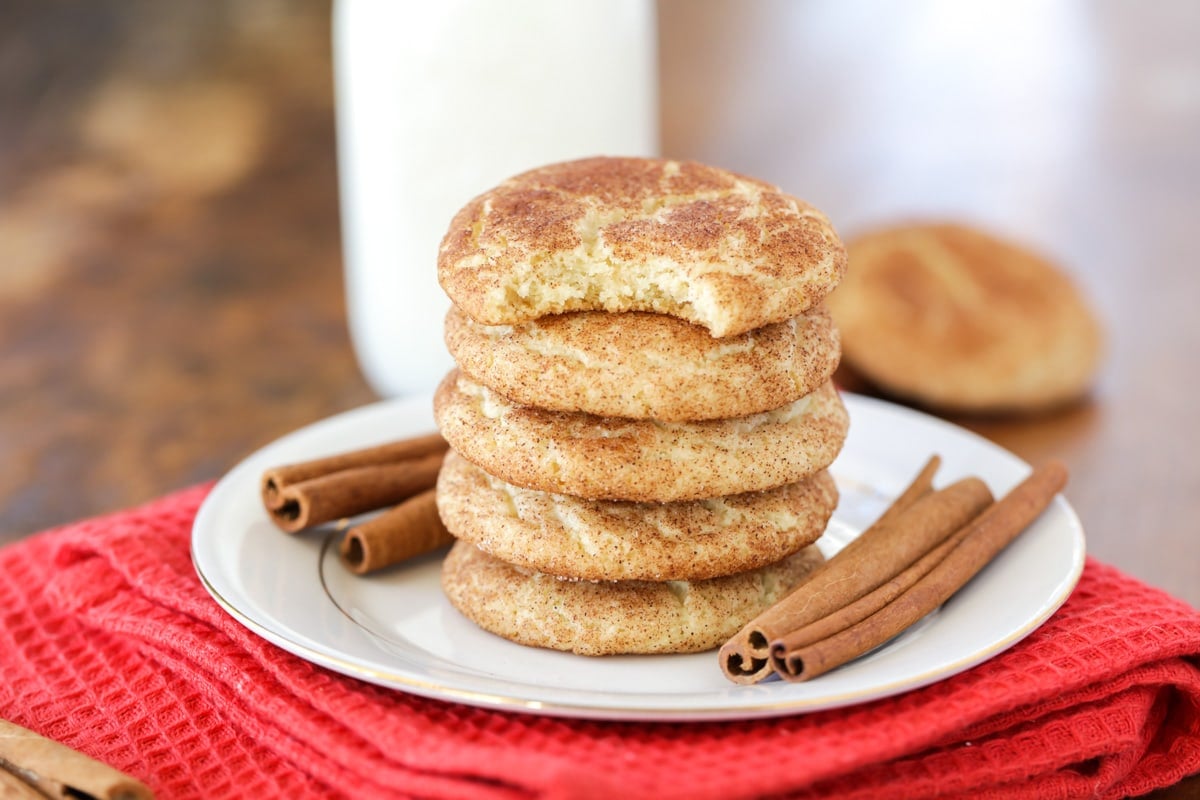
353	491
276	480
866	605
406	531
884	550
55	770
981	541
921	487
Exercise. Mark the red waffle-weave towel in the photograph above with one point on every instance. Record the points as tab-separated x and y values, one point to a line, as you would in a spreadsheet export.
109	644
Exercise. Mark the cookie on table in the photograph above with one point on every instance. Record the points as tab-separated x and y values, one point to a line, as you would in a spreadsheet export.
646	366
612	540
721	250
609	458
956	319
605	618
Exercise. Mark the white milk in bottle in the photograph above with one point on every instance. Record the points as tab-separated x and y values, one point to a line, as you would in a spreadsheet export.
438	101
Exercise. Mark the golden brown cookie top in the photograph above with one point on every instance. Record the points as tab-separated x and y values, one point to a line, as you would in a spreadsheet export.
719	249
955	318
639	365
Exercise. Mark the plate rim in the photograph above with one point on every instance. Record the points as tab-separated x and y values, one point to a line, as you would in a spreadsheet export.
759	708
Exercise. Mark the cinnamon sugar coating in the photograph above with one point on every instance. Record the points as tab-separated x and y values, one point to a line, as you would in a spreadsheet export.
957	319
605	618
612	540
646	366
721	250
644	460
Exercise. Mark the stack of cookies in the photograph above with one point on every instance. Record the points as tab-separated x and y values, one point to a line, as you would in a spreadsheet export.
642	415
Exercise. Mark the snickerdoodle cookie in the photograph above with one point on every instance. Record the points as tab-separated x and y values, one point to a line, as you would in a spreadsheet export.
727	252
614	540
959	320
602	618
642	365
646	460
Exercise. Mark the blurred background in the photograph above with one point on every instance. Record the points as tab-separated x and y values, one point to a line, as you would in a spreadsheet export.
172	292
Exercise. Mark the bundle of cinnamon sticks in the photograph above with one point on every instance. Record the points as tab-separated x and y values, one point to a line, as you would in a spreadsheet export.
399	476
924	547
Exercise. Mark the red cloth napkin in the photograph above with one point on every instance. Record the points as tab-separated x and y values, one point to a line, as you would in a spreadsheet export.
109	644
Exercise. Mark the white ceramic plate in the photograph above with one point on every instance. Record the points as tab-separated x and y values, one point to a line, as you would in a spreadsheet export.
397	629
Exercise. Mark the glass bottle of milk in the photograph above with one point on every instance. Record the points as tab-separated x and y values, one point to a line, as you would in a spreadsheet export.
438	101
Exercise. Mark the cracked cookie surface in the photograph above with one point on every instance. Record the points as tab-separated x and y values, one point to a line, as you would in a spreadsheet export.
956	319
646	366
613	540
721	250
608	458
605	618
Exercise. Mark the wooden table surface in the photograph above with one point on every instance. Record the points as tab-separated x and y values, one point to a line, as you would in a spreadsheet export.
170	266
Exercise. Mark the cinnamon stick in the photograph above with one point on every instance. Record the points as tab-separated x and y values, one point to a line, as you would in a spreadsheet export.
406	531
299	496
920	519
275	480
868	604
980	541
54	770
921	487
